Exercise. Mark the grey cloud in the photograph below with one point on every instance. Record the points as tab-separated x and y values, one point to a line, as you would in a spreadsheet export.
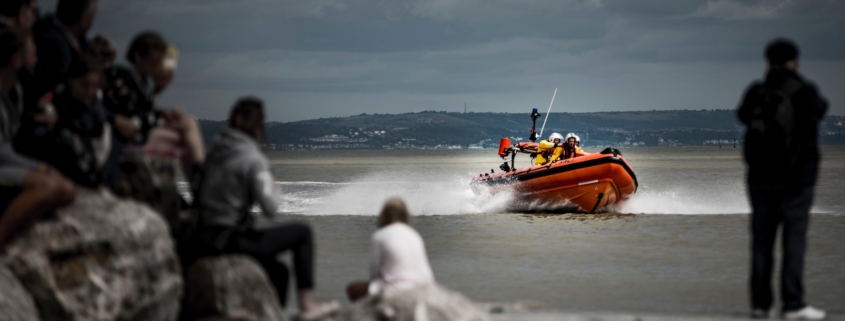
345	57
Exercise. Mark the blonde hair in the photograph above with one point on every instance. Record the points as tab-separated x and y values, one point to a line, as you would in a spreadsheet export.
394	210
171	57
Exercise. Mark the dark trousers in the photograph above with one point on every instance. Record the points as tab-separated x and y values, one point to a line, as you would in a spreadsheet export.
265	244
772	207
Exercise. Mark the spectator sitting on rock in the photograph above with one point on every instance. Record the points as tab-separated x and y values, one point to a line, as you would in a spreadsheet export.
398	255
103	49
234	177
129	94
28	189
61	41
81	144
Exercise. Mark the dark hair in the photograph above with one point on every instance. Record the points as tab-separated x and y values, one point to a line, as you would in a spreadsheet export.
101	46
144	44
394	210
11	42
11	8
84	66
781	50
245	107
69	12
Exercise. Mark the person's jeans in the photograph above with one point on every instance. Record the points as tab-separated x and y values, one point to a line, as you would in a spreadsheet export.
265	244
773	205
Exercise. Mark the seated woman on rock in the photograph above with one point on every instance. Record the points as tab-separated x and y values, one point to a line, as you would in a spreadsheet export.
129	93
234	177
81	144
28	188
398	255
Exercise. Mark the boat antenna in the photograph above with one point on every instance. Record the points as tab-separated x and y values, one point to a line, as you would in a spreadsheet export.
547	113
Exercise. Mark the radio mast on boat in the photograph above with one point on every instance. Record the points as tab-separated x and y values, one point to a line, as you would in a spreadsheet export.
547	114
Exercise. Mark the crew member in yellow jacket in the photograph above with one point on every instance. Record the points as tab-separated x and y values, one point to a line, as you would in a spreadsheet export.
548	151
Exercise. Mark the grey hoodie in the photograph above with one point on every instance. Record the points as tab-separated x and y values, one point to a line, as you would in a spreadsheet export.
234	177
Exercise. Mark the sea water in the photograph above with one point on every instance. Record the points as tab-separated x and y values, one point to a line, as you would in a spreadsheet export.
679	245
672	180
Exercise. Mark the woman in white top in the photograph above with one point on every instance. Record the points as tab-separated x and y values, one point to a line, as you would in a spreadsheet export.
398	256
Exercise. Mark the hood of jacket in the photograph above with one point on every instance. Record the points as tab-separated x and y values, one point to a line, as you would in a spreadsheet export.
230	142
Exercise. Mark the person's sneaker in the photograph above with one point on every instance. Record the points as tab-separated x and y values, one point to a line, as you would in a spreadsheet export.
760	314
807	313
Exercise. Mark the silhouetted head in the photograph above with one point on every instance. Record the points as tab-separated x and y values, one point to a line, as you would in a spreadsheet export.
394	210
77	14
147	52
84	79
248	116
782	52
20	14
17	50
103	49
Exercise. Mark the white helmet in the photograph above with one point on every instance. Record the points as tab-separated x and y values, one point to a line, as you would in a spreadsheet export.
569	136
554	136
577	139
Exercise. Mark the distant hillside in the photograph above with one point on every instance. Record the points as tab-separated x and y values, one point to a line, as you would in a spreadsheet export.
433	129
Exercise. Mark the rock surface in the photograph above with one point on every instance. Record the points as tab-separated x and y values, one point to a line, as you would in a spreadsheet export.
15	303
101	258
231	286
425	303
151	179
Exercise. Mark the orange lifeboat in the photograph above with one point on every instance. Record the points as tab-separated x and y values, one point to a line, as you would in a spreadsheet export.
582	184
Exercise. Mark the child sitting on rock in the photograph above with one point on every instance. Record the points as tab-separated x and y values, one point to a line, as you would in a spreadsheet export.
398	255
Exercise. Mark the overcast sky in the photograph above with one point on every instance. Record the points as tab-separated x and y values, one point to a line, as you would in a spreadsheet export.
324	58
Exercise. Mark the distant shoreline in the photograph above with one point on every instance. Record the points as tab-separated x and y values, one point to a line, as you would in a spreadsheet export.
442	130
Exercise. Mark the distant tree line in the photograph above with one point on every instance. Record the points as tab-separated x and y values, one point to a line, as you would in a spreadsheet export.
433	128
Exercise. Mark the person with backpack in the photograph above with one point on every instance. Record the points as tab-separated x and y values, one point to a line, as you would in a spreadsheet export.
782	115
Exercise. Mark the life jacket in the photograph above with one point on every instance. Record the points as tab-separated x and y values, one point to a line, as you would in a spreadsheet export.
568	152
548	153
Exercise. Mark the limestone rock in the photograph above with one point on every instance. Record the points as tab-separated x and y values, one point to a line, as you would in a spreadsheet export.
424	303
232	286
15	303
102	258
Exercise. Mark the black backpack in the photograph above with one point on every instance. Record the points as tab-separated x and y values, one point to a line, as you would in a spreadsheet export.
771	133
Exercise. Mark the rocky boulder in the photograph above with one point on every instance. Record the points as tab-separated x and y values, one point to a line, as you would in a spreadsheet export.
15	303
424	303
230	286
102	258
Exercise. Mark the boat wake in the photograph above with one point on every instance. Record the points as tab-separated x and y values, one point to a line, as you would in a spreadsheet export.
452	195
425	193
727	199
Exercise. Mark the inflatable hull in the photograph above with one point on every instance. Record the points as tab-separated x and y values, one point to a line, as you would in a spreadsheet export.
583	184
